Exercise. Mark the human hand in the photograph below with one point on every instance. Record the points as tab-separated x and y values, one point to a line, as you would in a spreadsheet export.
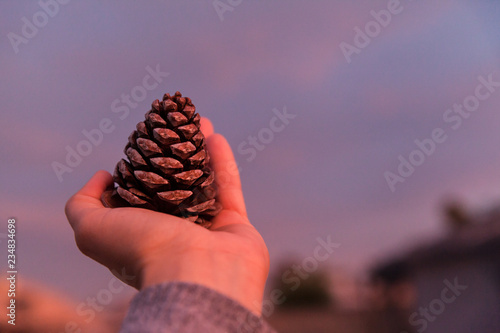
230	257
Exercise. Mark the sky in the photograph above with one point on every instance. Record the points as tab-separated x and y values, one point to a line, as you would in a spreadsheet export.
358	94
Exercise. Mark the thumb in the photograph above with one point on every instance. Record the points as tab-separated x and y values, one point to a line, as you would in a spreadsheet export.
88	197
227	177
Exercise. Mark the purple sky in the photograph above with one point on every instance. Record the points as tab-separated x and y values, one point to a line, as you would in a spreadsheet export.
323	174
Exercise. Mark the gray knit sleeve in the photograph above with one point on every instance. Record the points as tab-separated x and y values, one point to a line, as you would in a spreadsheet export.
187	307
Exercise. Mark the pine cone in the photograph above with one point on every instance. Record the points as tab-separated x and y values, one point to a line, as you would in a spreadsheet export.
167	168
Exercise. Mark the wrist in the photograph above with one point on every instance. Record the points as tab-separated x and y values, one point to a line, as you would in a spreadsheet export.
233	277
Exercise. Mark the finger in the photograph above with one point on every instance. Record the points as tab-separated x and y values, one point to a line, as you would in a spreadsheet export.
227	177
110	236
89	196
206	127
99	182
120	237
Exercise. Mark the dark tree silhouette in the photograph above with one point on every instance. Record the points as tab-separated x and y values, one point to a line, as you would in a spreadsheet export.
304	289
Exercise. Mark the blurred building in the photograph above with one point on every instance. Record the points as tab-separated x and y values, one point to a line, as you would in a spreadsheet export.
454	283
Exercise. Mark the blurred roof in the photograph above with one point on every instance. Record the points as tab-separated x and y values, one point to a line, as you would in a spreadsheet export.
480	239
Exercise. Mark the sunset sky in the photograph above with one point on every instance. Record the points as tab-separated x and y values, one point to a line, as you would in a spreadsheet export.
321	174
